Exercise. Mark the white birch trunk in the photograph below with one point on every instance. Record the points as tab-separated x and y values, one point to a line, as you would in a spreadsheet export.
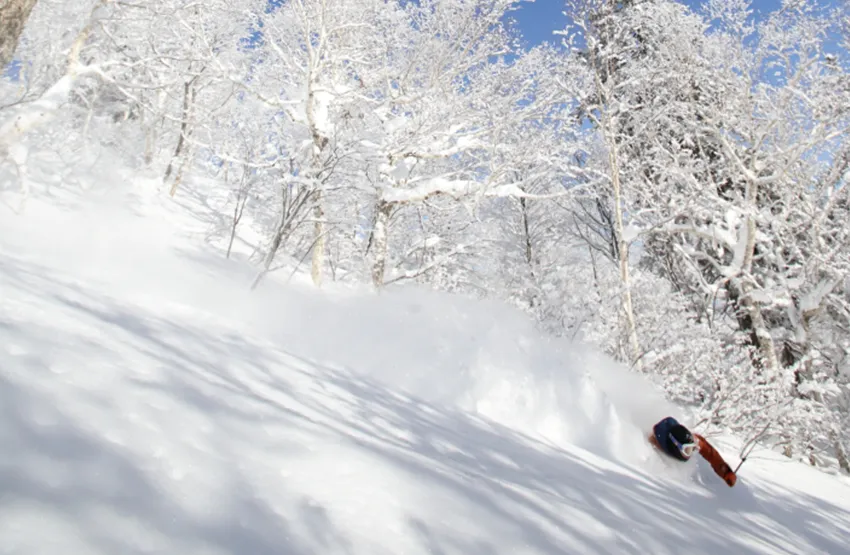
319	143
766	345
626	304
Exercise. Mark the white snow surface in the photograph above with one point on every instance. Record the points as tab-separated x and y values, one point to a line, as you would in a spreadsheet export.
152	404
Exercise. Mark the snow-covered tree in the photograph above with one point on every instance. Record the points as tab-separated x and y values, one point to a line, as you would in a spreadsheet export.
618	42
13	17
119	62
442	97
722	133
308	67
671	185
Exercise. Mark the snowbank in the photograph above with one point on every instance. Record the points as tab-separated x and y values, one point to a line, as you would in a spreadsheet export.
152	404
481	357
477	356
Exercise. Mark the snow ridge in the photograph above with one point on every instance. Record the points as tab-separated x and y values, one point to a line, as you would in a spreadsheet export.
152	404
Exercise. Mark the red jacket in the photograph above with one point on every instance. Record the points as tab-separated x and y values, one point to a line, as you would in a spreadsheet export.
710	454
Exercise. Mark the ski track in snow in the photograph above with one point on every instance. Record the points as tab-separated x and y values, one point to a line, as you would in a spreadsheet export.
151	405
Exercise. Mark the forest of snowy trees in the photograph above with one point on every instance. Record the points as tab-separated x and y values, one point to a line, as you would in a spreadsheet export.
670	185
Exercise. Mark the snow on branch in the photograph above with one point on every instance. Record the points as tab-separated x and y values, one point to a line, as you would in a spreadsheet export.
464	187
44	108
434	264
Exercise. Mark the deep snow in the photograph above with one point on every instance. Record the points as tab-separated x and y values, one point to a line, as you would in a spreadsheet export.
152	404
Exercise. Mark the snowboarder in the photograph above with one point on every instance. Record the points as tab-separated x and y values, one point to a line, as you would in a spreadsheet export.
678	442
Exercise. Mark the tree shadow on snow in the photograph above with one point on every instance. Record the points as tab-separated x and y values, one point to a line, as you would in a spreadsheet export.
566	503
61	467
521	491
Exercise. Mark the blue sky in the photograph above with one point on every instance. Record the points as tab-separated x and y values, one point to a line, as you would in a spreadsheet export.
539	19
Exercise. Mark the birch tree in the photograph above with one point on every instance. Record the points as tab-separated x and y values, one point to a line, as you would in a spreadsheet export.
752	112
45	101
609	44
307	67
443	76
172	53
765	239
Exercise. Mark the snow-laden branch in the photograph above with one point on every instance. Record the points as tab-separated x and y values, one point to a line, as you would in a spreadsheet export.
459	188
40	111
434	264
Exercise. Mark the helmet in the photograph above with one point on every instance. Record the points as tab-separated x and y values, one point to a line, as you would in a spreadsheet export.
683	440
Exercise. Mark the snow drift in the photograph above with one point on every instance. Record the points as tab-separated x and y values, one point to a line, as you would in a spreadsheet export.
478	356
152	404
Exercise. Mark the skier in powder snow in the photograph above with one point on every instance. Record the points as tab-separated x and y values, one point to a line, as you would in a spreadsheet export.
679	443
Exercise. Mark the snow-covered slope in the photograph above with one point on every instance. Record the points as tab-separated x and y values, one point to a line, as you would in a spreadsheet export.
151	404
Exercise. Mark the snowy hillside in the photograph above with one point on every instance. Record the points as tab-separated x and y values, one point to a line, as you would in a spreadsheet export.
151	404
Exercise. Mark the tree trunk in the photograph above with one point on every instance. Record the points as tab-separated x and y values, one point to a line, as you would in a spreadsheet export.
609	126
149	142
841	453
319	239
751	321
280	232
181	171
151	127
533	302
750	317
626	305
529	252
185	131
379	242
13	18
319	144
238	210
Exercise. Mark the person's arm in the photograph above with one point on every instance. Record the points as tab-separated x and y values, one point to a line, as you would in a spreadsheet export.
717	463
